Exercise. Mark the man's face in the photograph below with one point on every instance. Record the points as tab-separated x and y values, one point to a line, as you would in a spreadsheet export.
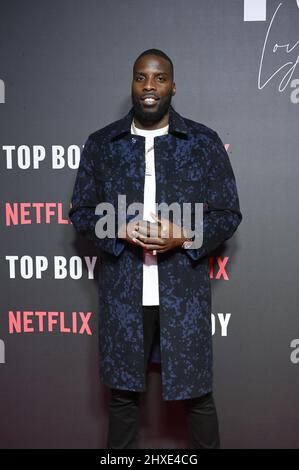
152	88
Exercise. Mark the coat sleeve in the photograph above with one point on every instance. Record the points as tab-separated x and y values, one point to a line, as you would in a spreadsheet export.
221	214
85	199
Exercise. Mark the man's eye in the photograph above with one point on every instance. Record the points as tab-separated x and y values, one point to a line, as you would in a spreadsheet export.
139	78
161	79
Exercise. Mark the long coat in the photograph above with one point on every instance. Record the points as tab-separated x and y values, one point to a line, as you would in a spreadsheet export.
191	165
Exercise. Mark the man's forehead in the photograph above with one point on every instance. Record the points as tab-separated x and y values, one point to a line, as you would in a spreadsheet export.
152	62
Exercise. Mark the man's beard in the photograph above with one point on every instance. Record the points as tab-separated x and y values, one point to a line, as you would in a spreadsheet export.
149	117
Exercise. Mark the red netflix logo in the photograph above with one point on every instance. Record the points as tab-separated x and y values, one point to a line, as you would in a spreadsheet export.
41	322
217	268
24	213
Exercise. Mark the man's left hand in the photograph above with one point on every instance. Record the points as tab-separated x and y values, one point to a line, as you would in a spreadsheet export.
158	237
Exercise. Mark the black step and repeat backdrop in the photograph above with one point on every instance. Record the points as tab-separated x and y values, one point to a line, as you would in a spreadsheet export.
65	71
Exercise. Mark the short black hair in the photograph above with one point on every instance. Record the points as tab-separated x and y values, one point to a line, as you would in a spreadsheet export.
159	53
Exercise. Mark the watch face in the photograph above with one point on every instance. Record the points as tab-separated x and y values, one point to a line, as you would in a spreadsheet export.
187	244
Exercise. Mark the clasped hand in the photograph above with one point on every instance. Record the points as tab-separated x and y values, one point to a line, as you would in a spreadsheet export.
157	237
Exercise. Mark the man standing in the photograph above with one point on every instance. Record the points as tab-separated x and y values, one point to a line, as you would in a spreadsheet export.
155	285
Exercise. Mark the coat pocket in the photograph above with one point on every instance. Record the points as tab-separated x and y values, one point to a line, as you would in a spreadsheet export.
112	189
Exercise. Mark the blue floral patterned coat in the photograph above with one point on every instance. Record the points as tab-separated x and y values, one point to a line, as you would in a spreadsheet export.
191	165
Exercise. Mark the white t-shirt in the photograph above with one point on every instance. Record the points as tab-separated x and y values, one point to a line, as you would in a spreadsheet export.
150	288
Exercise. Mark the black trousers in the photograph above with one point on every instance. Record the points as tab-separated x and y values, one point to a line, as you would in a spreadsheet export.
123	410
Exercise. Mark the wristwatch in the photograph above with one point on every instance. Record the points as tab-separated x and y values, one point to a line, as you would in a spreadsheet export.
189	240
187	243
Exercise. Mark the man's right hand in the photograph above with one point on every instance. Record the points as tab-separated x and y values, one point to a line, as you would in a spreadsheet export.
130	233
125	232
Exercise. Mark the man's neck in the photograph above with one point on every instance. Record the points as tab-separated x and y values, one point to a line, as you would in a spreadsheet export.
152	126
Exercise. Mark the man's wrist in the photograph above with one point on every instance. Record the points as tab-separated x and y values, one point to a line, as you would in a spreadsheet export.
187	239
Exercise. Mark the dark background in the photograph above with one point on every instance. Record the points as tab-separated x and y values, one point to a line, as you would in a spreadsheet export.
67	69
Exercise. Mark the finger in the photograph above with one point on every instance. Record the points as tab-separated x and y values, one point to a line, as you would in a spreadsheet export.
153	247
155	217
150	240
163	226
154	231
142	227
159	250
146	225
138	242
142	223
146	246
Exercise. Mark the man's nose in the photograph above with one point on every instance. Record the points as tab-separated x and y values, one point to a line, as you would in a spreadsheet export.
149	84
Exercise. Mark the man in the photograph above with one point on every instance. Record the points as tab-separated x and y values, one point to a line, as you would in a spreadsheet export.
155	286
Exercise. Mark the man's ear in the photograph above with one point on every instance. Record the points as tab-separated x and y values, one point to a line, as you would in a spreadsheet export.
173	89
